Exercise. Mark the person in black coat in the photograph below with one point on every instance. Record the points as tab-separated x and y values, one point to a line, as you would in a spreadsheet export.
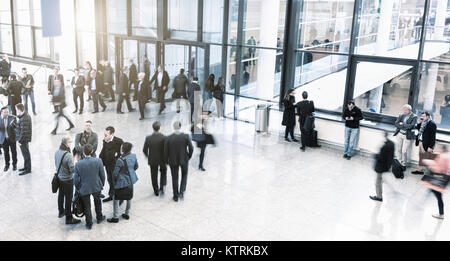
180	82
289	115
142	86
24	133
154	151
109	155
162	80
123	90
59	101
5	67
78	90
133	79
96	86
178	151
305	109
14	90
201	137
8	137
352	115
425	139
383	163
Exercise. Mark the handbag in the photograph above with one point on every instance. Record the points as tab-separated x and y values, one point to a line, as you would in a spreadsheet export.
55	180
127	192
77	206
436	180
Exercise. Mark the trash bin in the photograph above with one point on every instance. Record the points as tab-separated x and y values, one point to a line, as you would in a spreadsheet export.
262	118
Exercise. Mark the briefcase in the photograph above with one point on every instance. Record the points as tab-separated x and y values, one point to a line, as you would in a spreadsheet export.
397	169
426	155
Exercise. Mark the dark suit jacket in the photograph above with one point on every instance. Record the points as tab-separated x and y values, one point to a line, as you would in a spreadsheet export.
99	83
107	155
60	98
409	126
428	135
304	108
143	89
133	73
154	148
178	149
385	158
51	83
79	83
14	90
123	87
89	176
10	128
165	81
80	139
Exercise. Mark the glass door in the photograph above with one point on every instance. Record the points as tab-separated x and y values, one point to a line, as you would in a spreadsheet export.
147	49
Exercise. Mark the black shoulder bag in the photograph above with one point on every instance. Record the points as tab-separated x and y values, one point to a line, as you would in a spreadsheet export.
127	192
55	181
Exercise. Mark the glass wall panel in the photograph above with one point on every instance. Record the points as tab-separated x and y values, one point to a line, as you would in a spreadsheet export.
86	41
264	22
382	88
6	43
437	44
215	60
213	21
116	16
183	19
5	13
24	41
389	28
42	45
326	25
85	15
323	77
434	94
233	21
144	13
231	70
22	12
36	13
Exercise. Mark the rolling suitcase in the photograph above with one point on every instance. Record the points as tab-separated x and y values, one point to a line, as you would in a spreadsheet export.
397	169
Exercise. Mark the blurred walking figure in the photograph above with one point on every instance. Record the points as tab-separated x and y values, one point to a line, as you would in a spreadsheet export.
108	78
194	96
383	162
201	136
51	82
207	93
59	101
440	171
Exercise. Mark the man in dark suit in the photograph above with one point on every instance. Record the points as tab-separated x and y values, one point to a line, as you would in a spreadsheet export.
426	138
162	80
96	85
143	87
133	76
178	151
86	137
89	179
194	94
305	108
78	90
154	151
51	82
147	72
109	155
24	133
123	90
14	91
8	137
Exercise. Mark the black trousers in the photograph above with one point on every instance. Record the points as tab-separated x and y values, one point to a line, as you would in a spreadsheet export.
96	97
440	202
154	173
26	156
86	199
77	96
289	130
184	172
135	86
7	146
127	100
304	136
192	111
142	102
109	172
65	195
61	114
161	100
110	91
202	155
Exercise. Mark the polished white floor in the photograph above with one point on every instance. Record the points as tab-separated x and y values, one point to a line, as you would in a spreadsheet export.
256	187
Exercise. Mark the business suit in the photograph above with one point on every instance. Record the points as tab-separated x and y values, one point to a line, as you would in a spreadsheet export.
305	108
154	151
109	158
178	151
124	93
78	92
142	87
89	179
133	80
97	86
80	142
405	136
24	133
8	138
161	88
14	90
51	82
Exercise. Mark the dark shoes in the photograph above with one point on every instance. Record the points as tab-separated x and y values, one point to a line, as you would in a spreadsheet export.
6	168
141	119
302	149
22	169
89	226
81	112
161	192
349	157
294	140
24	173
107	199
71	127
132	110
345	156
201	168
104	108
101	219
376	198
175	199
60	215
102	196
14	167
113	220
120	112
403	168
417	172
182	195
73	221
53	132
94	112
287	139
125	216
75	111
